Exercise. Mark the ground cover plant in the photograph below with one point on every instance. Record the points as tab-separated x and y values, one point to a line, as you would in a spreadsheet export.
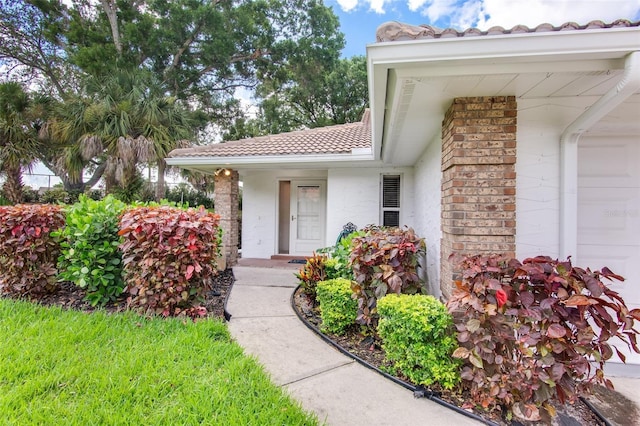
67	367
536	331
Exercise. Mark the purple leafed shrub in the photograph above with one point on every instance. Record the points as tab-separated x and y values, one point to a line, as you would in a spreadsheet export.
168	256
535	331
384	260
28	252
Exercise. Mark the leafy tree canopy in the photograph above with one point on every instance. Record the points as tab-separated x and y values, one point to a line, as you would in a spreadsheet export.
315	93
201	50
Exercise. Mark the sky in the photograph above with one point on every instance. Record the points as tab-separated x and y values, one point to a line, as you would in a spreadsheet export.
359	19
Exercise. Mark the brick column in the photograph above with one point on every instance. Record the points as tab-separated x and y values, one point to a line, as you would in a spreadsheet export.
478	180
226	205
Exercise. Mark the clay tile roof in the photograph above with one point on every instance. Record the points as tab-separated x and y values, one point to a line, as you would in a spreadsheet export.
337	139
397	31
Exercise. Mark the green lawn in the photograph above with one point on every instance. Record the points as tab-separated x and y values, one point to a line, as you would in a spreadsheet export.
70	368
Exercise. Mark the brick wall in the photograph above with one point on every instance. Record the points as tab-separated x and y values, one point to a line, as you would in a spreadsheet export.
226	205
478	180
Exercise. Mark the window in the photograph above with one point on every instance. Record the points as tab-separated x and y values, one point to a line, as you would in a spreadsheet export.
390	200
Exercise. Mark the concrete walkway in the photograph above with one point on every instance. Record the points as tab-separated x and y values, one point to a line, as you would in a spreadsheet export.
339	390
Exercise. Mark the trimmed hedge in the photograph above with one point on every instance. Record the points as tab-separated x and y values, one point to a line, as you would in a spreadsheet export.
169	257
338	309
28	250
418	337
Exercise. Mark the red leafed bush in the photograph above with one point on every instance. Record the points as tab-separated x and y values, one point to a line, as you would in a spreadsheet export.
28	252
528	331
384	260
168	256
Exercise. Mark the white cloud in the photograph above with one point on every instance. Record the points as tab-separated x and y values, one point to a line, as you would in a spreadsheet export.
468	16
377	6
347	5
415	4
508	13
462	14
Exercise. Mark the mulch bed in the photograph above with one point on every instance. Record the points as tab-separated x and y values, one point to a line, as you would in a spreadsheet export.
69	296
368	349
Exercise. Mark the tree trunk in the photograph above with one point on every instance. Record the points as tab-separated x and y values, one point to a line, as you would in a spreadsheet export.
160	189
110	8
12	187
97	175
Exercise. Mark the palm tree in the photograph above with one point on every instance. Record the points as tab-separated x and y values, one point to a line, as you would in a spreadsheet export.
126	119
19	143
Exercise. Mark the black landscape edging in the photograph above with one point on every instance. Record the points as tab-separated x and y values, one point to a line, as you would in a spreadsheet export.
227	315
595	411
418	391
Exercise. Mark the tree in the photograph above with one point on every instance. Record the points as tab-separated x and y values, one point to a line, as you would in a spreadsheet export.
126	121
32	48
312	94
18	137
199	52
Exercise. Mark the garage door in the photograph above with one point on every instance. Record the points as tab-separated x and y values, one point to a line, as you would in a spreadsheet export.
609	210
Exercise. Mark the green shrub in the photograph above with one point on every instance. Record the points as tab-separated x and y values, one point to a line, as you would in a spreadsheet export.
384	260
57	195
28	250
536	331
90	256
94	194
312	273
337	308
30	195
184	193
339	264
419	338
168	257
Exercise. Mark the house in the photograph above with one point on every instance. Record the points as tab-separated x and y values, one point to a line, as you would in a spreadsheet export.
523	141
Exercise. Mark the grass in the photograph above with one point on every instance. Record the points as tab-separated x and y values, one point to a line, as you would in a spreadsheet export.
67	367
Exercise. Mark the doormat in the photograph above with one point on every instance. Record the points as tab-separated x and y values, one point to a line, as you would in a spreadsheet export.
301	261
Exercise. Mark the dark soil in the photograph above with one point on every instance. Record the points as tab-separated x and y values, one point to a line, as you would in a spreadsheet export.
69	296
616	408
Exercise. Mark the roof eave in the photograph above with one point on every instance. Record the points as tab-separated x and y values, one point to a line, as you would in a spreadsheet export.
527	47
272	161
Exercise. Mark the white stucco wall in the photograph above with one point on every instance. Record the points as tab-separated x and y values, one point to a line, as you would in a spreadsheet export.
260	209
540	124
428	202
353	195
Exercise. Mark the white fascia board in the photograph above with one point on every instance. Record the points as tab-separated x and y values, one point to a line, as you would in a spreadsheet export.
508	66
612	42
274	160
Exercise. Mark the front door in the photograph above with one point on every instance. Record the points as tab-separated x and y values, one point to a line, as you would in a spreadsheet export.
307	217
